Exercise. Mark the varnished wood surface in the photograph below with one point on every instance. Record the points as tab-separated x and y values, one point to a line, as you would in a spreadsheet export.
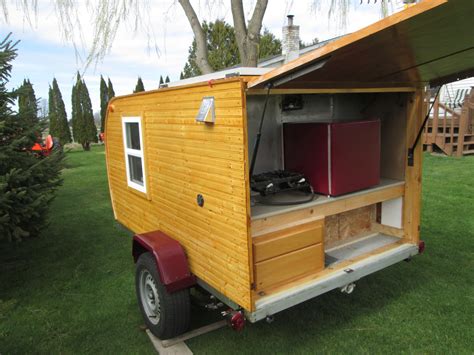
185	158
416	111
429	41
289	266
347	90
287	240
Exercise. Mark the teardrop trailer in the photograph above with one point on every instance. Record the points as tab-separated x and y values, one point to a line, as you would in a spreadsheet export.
333	194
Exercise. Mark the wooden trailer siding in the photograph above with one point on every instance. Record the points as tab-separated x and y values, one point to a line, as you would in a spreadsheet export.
184	158
416	112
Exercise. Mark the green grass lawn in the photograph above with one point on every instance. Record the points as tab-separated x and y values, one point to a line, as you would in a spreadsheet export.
72	289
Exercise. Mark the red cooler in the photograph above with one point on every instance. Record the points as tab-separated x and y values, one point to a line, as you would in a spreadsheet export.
337	158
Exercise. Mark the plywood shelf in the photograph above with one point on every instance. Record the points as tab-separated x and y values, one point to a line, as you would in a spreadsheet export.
266	218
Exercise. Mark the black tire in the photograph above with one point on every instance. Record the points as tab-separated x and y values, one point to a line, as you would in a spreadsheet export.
168	318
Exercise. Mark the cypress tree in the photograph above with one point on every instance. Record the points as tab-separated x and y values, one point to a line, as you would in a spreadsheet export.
27	182
104	100
27	103
63	132
76	115
83	126
90	128
52	116
161	80
139	87
167	80
110	90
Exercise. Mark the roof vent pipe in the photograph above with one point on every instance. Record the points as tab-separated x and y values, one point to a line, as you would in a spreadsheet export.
291	40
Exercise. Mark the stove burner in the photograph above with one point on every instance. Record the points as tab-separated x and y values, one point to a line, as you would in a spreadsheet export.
274	182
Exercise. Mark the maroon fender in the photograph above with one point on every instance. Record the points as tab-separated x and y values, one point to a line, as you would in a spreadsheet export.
170	258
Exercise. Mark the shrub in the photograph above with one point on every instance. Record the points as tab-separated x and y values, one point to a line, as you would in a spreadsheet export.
27	181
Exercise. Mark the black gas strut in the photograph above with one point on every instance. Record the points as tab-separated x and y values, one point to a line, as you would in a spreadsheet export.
411	151
259	133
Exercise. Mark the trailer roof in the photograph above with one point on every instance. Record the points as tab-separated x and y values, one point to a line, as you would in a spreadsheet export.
239	71
431	42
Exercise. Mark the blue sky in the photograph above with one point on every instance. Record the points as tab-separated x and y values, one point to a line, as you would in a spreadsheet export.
43	53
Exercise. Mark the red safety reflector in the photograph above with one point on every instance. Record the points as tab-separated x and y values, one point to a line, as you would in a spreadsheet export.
237	321
421	247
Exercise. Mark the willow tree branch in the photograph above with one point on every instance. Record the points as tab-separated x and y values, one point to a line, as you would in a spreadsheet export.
201	41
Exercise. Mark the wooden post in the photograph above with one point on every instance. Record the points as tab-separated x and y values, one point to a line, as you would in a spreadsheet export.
464	123
451	133
462	128
434	128
412	199
444	125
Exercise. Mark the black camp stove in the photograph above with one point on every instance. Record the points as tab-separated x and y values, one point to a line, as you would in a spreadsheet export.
274	182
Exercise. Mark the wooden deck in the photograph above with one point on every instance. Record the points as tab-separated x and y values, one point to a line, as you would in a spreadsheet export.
451	131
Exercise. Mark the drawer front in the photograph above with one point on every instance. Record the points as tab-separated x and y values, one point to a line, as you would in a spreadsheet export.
282	242
289	266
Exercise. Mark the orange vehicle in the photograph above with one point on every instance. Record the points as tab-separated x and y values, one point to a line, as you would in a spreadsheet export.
44	149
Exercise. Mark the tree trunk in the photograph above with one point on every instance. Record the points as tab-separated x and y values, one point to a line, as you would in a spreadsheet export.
86	146
248	38
201	40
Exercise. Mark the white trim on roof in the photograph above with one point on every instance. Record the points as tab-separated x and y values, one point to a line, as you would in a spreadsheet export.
242	71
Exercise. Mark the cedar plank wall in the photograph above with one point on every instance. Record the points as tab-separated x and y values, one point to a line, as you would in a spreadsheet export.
182	159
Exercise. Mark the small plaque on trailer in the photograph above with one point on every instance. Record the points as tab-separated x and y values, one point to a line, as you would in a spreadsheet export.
206	111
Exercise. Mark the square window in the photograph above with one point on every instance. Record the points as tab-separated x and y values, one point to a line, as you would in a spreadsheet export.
133	135
136	169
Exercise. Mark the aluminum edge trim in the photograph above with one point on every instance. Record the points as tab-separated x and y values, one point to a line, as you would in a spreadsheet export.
300	293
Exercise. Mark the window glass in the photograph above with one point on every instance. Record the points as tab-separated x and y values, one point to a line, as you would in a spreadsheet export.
133	135
136	170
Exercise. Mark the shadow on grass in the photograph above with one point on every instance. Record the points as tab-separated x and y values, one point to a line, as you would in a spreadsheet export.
317	319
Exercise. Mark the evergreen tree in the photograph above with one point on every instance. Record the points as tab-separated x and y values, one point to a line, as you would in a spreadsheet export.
52	116
63	133
167	80
76	114
181	76
83	126
269	45
104	101
27	183
161	80
27	103
110	91
139	87
88	116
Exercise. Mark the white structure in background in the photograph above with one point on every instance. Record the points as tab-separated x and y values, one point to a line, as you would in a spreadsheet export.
453	94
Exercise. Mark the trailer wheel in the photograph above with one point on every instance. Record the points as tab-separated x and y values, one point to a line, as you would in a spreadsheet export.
165	314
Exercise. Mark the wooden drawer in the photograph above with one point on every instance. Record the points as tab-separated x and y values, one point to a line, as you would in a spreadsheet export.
289	266
287	240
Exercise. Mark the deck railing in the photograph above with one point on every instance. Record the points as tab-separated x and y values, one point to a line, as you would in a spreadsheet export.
451	130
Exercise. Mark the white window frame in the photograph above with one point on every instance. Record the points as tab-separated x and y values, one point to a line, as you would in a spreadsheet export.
134	152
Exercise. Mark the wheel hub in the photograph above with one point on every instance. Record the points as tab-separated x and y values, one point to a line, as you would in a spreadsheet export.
149	297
